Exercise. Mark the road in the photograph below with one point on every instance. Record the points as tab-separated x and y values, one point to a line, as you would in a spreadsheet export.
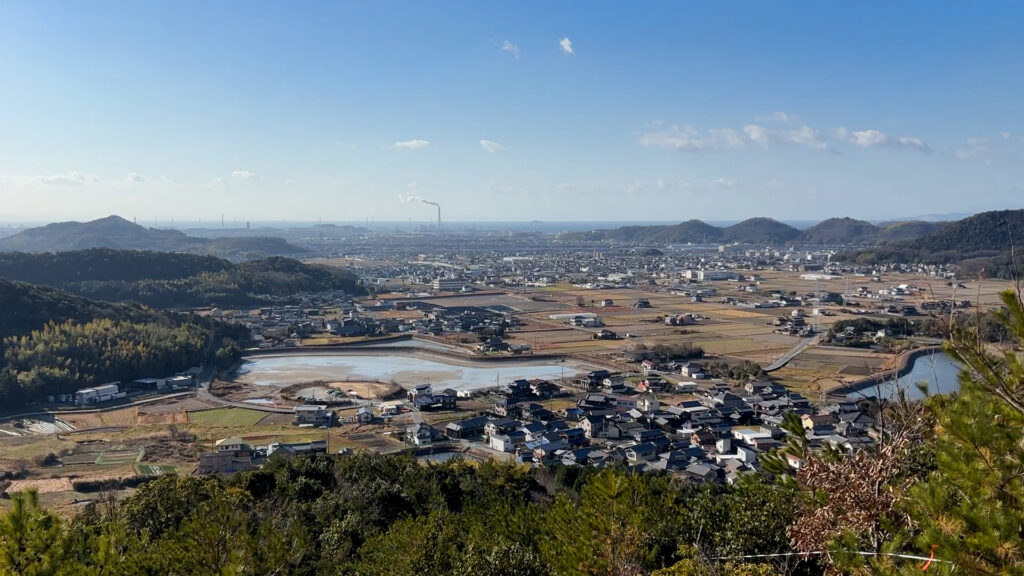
204	395
785	358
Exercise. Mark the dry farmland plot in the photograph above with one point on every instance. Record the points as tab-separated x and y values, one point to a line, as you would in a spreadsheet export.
275	419
125	417
165	418
41	485
25	447
155	469
119	457
188	404
226	417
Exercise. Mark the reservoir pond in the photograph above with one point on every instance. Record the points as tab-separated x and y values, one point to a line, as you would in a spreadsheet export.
404	370
938	371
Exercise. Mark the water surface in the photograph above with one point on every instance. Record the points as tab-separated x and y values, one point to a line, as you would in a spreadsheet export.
403	370
938	371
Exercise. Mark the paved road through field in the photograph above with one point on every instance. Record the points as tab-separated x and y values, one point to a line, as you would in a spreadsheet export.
785	358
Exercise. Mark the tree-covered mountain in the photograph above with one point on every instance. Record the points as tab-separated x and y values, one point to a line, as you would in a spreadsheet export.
689	232
24	307
104	264
173	280
52	342
984	231
979	244
754	230
909	230
834	231
118	233
760	231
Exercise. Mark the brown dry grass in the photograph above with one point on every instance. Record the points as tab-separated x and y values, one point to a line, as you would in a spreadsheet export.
41	485
162	419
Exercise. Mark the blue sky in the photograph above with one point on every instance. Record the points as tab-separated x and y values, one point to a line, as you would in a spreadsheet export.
514	111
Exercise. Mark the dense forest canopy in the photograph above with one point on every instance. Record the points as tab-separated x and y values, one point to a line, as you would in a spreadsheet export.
53	343
104	265
171	280
391	516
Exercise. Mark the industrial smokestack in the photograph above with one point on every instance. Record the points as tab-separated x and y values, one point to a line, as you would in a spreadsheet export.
405	199
438	211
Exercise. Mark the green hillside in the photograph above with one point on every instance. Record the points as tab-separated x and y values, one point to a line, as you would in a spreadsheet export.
173	280
52	342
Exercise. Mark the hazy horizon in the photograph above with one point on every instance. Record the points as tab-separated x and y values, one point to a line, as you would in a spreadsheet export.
565	112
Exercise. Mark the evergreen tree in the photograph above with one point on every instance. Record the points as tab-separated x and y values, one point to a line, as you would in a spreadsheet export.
972	506
29	538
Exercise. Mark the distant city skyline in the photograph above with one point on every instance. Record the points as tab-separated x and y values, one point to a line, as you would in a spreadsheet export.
574	111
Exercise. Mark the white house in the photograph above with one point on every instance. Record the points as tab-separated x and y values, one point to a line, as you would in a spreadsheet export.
420	435
317	414
364	415
501	443
103	393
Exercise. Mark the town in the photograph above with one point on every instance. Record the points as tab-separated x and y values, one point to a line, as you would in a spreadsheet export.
685	359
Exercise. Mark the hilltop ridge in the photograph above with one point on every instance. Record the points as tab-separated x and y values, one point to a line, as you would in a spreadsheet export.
117	233
761	230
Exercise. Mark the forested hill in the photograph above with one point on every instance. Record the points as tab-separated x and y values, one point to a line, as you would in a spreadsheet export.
841	231
118	233
52	342
760	230
834	231
985	231
173	280
24	308
104	264
980	243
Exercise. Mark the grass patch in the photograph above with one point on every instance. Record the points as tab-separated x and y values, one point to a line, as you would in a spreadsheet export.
226	417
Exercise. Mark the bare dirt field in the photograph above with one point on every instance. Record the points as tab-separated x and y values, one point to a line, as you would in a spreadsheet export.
366	389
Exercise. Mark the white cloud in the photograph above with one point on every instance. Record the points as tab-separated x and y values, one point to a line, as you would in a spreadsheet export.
415	144
912	143
872	137
758	134
566	45
775	184
73	178
804	136
868	137
245	175
492	147
723	183
510	48
1005	135
691	139
135	178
